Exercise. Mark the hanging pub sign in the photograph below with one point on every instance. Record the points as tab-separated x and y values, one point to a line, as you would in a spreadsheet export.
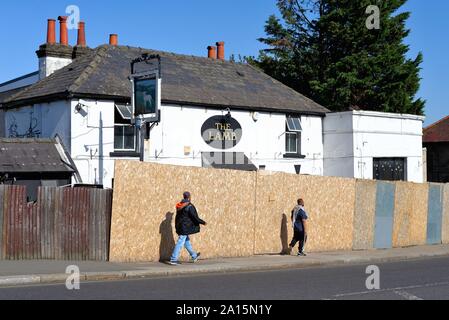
145	96
146	87
222	132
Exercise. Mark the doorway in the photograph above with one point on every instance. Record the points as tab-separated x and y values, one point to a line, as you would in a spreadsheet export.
390	169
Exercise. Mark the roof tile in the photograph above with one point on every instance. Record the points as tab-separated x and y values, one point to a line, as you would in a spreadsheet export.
185	79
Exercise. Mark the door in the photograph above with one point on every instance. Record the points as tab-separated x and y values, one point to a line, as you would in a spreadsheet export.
390	169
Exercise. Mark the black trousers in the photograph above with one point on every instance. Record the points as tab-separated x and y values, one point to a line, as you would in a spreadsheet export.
300	237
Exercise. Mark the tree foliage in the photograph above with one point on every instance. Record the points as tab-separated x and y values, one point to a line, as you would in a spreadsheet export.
323	49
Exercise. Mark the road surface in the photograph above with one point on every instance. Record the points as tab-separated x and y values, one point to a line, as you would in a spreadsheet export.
411	280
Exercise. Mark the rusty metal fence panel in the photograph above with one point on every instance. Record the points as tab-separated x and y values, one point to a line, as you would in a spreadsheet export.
64	224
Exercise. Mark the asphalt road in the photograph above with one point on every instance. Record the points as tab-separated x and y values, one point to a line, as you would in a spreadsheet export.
412	280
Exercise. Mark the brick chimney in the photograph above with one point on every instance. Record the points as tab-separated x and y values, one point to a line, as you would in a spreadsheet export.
212	52
81	34
113	40
81	45
51	31
53	56
220	50
64	34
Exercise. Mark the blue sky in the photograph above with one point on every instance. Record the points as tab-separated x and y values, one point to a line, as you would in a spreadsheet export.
189	26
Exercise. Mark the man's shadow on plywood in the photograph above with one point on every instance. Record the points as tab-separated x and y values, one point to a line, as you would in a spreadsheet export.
284	235
167	237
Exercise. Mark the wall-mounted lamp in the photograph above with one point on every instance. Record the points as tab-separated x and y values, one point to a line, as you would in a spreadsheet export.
79	108
256	116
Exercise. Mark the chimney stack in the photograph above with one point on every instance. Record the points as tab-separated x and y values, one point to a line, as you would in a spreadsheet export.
113	40
64	35
51	31
212	52
81	34
221	50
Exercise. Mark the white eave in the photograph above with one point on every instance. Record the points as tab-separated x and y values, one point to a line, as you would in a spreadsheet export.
378	115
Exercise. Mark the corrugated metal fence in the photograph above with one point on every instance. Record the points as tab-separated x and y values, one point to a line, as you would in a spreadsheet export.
64	224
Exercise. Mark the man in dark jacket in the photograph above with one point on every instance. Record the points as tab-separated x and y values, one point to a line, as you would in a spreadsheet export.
187	223
299	219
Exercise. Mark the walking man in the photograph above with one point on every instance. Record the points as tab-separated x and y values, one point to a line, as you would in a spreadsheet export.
187	223
299	219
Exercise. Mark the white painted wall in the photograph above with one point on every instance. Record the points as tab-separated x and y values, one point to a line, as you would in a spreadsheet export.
263	141
89	136
352	139
48	65
40	121
93	141
19	83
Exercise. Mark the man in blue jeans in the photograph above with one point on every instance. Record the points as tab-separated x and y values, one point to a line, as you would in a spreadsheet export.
187	223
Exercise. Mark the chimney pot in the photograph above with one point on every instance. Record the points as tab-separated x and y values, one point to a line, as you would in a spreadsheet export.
221	50
212	52
64	34
81	34
51	31
113	40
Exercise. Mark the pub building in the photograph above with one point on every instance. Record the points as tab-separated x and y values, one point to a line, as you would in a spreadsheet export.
211	112
119	102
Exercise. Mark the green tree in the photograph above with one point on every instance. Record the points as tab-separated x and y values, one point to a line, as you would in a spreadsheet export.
324	49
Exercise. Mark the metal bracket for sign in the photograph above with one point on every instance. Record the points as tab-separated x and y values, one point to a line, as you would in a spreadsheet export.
146	58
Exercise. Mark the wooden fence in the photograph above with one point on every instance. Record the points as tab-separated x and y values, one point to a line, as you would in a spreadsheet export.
64	224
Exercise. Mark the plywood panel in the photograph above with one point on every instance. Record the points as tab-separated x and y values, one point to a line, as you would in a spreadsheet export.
364	217
144	202
249	213
445	222
410	217
329	203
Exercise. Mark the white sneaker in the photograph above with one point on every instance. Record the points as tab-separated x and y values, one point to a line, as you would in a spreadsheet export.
197	258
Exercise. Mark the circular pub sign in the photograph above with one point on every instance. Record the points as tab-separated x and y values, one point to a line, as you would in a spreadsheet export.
222	132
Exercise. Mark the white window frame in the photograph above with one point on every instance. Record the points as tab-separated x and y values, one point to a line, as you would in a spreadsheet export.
294	127
123	137
287	134
129	109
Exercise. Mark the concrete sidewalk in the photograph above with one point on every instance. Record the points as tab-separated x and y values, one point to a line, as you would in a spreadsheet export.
14	273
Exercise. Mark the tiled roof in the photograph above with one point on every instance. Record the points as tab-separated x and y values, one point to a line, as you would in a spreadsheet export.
437	132
186	80
7	94
31	155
